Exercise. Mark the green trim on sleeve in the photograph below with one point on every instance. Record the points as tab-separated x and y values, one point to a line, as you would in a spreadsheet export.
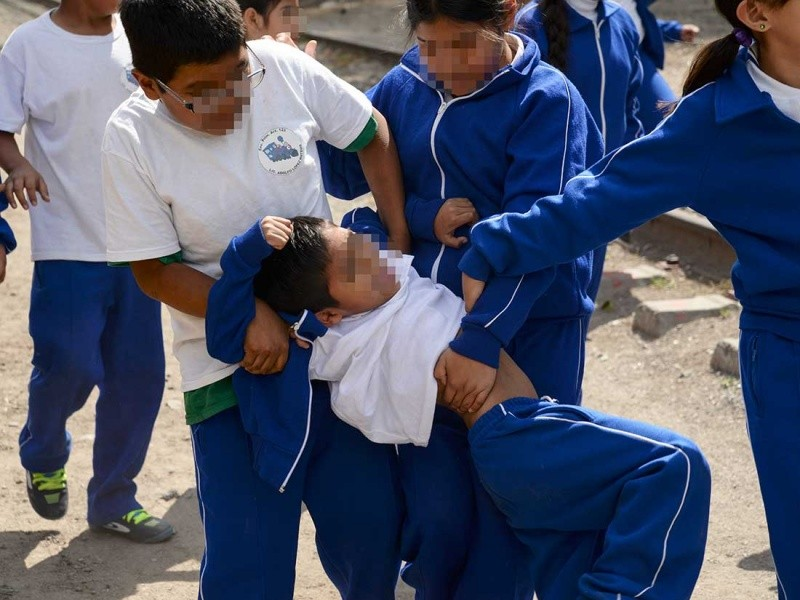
167	260
210	400
365	137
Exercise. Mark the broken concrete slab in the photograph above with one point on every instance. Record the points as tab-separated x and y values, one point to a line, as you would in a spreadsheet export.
656	317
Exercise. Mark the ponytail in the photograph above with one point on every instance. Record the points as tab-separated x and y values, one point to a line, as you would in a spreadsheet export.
711	63
718	56
555	21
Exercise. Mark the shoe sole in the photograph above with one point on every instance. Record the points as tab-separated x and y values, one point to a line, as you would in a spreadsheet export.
156	539
49	517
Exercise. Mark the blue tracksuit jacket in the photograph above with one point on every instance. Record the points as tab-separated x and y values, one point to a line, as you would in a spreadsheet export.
656	32
521	136
602	62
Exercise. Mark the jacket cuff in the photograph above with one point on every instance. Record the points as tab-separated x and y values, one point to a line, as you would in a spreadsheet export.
251	247
479	344
421	217
474	265
7	238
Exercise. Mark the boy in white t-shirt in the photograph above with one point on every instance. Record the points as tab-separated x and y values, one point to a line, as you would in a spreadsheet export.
608	507
63	74
220	133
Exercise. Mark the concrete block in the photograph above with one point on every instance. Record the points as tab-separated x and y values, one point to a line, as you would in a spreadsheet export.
726	357
615	282
656	317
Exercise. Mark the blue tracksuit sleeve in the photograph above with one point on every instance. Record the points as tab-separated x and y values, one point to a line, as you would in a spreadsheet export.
341	172
421	215
7	238
639	181
566	141
484	331
535	170
231	303
670	30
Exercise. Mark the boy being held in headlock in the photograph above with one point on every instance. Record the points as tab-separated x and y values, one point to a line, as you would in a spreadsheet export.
608	507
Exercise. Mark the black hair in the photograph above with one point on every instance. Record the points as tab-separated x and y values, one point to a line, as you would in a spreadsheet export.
555	22
718	56
262	7
165	35
495	13
296	277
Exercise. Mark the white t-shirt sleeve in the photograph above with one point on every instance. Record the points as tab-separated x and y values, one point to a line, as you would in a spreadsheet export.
139	223
13	113
342	112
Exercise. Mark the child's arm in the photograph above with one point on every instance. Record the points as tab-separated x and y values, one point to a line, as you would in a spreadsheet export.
469	366
675	31
382	170
23	182
232	305
632	185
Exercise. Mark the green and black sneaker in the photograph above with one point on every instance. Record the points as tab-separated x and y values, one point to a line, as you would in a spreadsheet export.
48	493
139	526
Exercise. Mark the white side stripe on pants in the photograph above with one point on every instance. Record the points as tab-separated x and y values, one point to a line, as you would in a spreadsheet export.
685	488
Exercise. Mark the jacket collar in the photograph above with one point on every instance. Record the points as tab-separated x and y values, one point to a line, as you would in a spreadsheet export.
736	94
578	21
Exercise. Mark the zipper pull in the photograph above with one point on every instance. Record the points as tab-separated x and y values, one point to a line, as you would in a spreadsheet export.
442	108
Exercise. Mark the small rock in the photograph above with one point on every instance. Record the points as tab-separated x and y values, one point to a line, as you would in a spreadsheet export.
170	495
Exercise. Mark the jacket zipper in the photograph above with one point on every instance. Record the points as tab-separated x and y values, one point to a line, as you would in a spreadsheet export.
282	489
442	108
603	125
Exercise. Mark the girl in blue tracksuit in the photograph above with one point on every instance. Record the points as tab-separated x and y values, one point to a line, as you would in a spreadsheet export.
595	44
482	127
653	33
731	151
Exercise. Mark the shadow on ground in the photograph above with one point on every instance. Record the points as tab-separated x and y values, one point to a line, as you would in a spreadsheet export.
97	564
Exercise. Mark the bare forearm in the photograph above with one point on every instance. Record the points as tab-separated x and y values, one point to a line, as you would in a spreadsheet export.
176	285
381	166
10	156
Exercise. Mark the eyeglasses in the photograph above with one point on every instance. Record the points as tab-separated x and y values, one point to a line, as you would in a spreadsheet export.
209	101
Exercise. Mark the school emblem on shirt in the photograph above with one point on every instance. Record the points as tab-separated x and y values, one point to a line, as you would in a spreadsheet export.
281	151
128	80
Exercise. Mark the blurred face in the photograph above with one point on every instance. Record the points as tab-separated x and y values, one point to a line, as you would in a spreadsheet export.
219	93
284	17
459	57
360	277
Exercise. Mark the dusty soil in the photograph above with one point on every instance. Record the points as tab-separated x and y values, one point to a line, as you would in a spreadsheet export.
667	381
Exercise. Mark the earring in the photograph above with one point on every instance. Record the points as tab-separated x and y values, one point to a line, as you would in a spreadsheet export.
762	27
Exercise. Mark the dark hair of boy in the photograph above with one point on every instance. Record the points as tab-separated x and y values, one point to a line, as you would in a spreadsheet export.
717	57
555	21
166	35
495	14
262	7
296	277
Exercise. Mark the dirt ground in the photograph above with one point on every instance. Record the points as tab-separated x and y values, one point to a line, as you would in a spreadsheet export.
667	381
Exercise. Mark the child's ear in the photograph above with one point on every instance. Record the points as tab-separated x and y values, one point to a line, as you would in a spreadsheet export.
751	13
148	85
328	317
253	21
